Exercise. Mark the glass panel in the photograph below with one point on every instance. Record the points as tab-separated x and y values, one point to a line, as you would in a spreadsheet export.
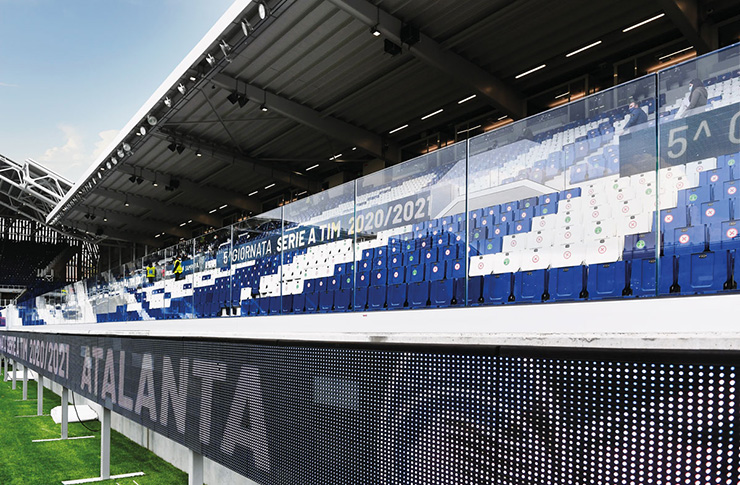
699	143
179	281
210	259
555	200
318	253
135	280
256	260
117	294
410	233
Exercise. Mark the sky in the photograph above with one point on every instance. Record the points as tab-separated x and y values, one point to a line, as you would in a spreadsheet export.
74	72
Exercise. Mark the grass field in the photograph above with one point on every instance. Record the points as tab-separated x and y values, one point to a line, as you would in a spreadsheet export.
25	463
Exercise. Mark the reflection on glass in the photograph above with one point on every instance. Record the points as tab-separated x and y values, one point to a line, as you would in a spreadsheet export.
699	143
318	253
409	225
559	201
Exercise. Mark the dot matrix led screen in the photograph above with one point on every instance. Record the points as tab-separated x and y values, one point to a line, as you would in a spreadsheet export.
352	414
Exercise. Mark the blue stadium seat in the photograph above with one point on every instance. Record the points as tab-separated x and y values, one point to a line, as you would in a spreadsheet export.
418	294
415	273
360	299
299	303
607	280
530	286
643	277
724	236
566	284
312	302
435	271
712	213
326	301
440	293
497	288
376	297
342	300
705	272
396	275
379	277
397	296
673	218
686	240
639	246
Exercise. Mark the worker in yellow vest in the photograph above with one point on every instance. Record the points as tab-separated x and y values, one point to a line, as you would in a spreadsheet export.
151	272
177	268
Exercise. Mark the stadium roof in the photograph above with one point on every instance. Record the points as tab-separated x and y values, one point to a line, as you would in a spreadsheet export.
266	110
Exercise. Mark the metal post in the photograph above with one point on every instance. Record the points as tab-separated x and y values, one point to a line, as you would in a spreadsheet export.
195	477
39	395
25	383
5	365
65	412
105	445
14	385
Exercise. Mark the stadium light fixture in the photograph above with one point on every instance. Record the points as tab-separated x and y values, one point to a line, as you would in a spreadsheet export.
198	153
398	129
243	100
467	99
502	117
126	204
152	120
432	114
640	24
180	149
674	53
263	10
263	108
233	97
312	167
155	184
247	27
225	48
335	157
139	180
167	102
108	165
142	131
253	193
172	147
269	186
114	160
578	51
181	87
132	178
120	153
374	30
542	66
126	147
224	206
211	60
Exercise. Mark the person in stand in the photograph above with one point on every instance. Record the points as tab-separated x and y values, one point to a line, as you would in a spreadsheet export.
177	268
151	272
695	101
637	115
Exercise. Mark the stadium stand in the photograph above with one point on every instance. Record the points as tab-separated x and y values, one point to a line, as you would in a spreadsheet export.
585	231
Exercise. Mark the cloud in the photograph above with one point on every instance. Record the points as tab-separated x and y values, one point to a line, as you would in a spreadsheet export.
106	138
75	155
7	85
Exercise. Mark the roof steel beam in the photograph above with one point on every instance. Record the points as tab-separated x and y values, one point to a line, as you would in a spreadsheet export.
258	166
498	93
223	196
684	14
158	207
341	130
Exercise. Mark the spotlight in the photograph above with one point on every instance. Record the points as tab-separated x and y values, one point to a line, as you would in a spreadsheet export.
198	154
243	100
211	60
126	147
155	184
132	179
180	149
139	180
263	108
151	120
263	10
107	165
92	217
233	97
247	28
172	146
168	102
114	160
142	131
225	48
375	31
181	88
120	153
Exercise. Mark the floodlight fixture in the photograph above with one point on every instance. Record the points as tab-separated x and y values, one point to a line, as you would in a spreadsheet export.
198	153
120	153
211	60
247	28
132	178
180	149
263	10
151	119
172	146
181	87
167	102
243	100
374	30
139	180
142	131
263	108
114	160
233	97
126	147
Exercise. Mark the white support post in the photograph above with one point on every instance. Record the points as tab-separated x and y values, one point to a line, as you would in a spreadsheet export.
65	412
105	444
14	380
25	383
195	477
40	395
